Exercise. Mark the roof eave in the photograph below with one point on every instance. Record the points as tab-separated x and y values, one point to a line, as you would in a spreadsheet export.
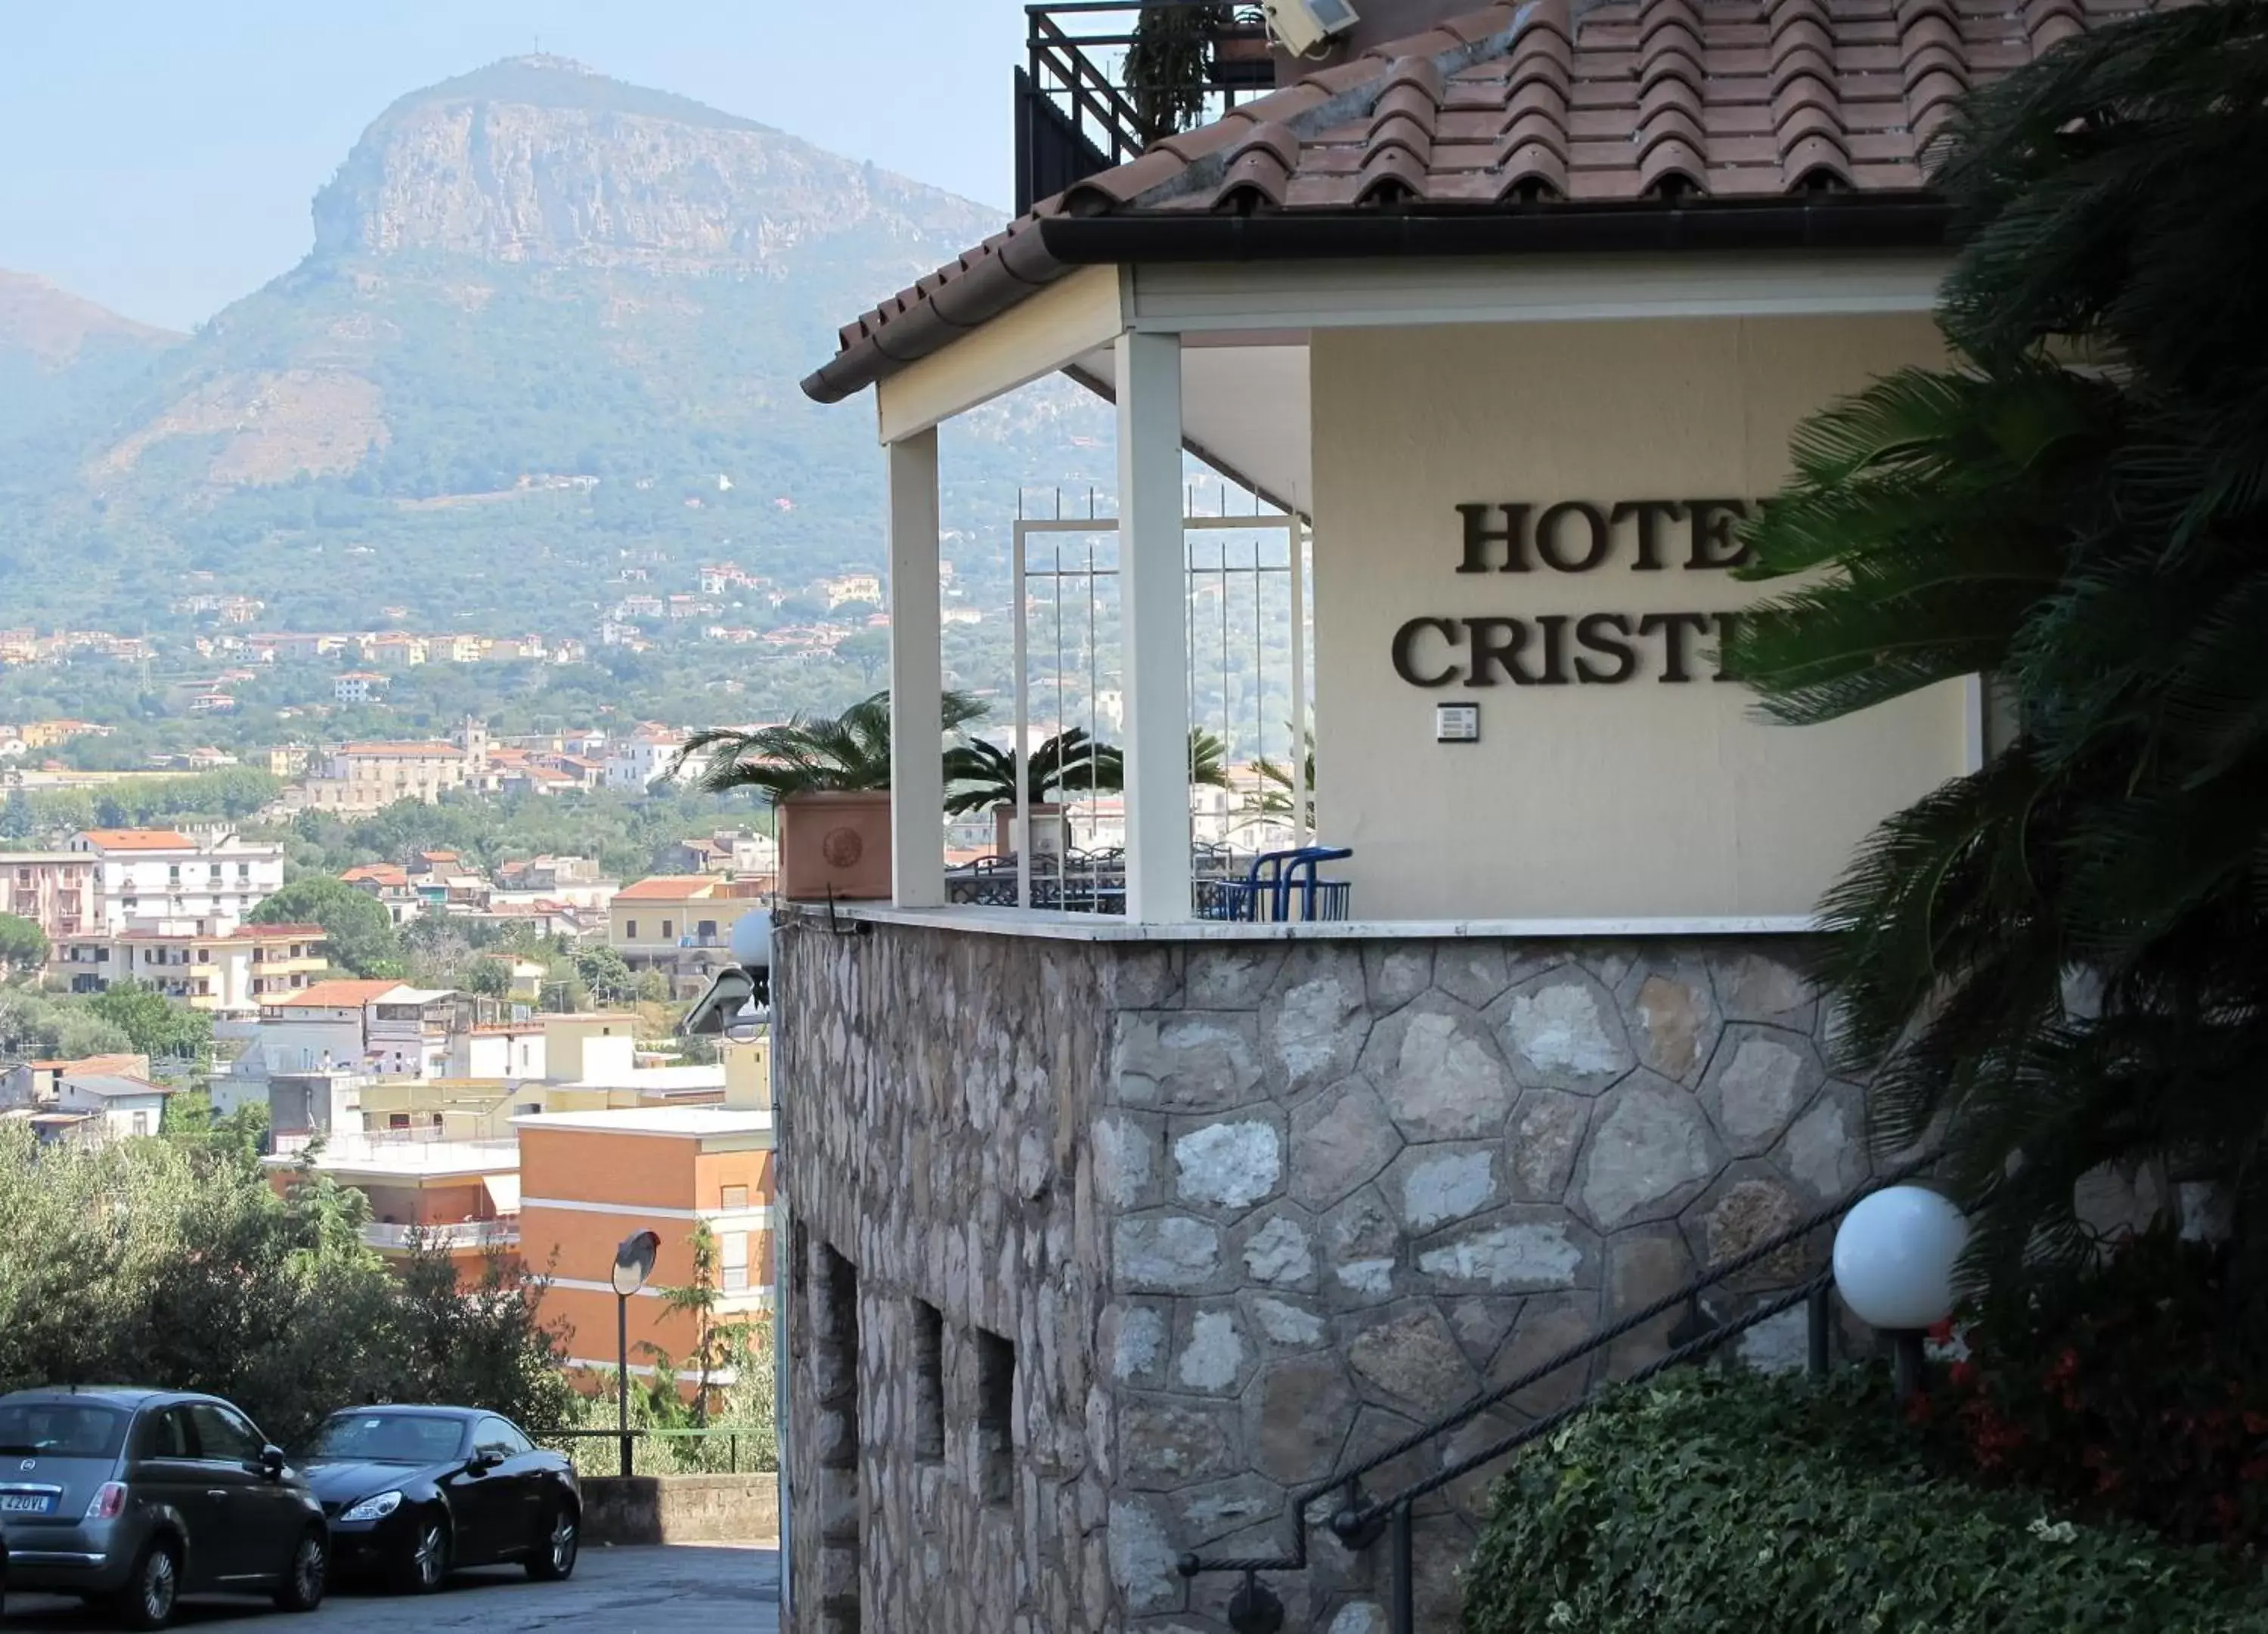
1019	269
1057	244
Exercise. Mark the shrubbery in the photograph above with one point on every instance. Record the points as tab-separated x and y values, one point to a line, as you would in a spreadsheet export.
2138	1387
1739	1505
147	1261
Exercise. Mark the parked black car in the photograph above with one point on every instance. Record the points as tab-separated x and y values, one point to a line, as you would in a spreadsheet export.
136	1497
414	1492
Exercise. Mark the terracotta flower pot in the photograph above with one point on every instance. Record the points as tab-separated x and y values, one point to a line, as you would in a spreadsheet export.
1050	832
837	842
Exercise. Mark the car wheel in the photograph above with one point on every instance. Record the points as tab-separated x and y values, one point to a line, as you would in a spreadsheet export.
308	1575
554	1554
424	1555
147	1599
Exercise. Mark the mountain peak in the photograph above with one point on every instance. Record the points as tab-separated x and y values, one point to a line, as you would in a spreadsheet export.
543	159
53	326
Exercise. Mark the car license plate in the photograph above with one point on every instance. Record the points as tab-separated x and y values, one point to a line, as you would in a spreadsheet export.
25	1503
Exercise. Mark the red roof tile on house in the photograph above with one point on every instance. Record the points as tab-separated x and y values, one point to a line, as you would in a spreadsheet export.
139	839
1537	108
668	888
341	995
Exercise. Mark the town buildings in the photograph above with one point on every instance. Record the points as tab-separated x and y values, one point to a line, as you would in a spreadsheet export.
83	1102
142	875
230	973
56	890
636	763
589	1179
679	924
1107	1235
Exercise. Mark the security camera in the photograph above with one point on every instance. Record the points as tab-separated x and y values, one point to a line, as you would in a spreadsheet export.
738	1003
1300	26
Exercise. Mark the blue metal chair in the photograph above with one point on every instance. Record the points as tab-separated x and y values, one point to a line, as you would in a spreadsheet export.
1276	882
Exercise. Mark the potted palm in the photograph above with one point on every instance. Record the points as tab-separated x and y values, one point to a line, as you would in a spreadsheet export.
828	779
1180	50
981	774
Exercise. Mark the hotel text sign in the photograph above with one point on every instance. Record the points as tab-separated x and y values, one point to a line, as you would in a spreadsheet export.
1593	649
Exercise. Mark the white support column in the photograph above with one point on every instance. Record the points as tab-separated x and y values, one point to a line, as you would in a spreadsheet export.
916	678
1154	609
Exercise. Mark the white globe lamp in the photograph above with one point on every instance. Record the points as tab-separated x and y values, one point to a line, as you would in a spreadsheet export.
1895	1254
1894	1258
752	940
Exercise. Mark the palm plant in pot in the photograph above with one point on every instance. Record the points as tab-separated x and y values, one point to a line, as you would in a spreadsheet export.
828	780
1178	53
981	775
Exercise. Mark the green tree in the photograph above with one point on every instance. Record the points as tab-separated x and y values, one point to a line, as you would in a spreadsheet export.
2062	958
606	973
359	932
490	978
177	1260
153	1024
23	945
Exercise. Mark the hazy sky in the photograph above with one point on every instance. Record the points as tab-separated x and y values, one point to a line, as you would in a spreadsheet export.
158	156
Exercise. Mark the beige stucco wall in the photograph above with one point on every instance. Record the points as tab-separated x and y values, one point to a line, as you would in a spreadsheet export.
1581	800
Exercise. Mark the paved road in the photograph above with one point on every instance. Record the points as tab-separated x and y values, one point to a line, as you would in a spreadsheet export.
708	1590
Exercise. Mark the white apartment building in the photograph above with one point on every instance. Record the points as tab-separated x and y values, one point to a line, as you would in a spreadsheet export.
636	764
144	875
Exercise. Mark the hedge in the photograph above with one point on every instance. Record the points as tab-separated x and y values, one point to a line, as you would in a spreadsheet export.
1733	1504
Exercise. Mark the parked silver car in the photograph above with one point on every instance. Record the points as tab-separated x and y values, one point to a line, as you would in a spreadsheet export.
136	1497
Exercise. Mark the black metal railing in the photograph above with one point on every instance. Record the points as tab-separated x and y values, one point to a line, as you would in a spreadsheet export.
1077	110
1360	1519
641	1437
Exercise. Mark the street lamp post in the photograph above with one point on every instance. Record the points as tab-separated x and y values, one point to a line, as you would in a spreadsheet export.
1893	1259
633	1264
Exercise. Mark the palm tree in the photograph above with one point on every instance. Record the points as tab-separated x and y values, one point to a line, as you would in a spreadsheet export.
981	774
2060	960
1208	759
1274	797
847	753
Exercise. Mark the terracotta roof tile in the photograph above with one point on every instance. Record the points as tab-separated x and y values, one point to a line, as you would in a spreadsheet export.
1516	107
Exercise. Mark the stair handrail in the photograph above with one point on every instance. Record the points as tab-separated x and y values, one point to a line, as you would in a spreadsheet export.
1358	1523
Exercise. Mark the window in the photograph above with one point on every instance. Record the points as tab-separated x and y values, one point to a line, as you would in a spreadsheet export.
732	1260
733	1198
629	931
397	1120
141	1122
929	1383
669	928
204	955
222	1435
835	1340
494	1435
996	1416
166	1433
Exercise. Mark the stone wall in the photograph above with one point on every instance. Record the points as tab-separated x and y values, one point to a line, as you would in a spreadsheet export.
1250	1210
680	1509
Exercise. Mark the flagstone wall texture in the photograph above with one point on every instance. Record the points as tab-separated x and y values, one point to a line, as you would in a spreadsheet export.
1245	1211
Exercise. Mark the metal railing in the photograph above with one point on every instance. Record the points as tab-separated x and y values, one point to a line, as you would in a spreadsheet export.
1360	1518
387	1236
638	1439
1076	112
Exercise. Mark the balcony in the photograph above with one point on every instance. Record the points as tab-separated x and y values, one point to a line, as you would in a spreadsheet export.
389	1238
1077	109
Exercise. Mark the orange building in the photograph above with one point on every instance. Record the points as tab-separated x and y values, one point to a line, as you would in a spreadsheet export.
588	1179
460	1196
